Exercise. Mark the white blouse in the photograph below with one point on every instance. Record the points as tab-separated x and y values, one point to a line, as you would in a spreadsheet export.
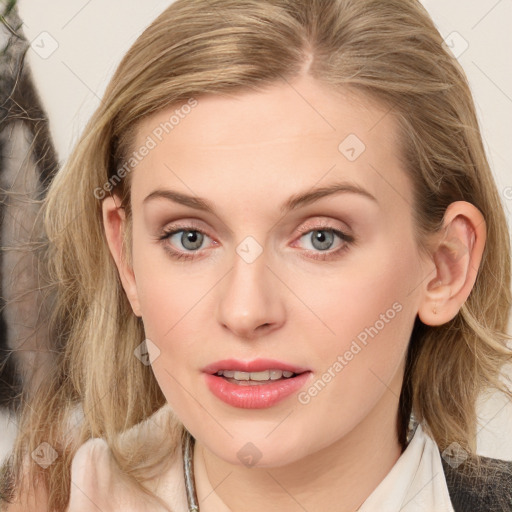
416	483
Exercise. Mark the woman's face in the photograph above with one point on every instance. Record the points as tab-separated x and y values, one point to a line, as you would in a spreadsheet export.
242	261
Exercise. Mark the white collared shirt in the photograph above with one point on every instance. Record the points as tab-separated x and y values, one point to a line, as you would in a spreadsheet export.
416	483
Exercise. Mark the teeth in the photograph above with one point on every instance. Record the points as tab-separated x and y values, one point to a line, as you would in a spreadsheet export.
275	374
257	376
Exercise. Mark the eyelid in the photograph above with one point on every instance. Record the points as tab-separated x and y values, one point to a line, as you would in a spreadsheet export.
316	225
187	225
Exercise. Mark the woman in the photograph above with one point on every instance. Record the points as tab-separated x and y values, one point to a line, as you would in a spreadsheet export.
277	238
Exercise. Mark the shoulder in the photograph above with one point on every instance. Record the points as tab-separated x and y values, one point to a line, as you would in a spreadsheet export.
93	475
97	479
97	482
485	488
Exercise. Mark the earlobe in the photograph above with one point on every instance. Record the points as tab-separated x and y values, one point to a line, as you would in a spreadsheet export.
457	256
114	222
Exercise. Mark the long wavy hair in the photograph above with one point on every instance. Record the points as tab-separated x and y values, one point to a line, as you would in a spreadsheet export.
388	50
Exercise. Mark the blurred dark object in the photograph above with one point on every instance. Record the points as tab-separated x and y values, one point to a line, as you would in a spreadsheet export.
28	162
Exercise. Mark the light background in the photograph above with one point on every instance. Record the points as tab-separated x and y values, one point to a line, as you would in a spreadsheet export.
76	46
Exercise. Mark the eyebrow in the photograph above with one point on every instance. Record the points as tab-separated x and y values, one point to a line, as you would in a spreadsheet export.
294	202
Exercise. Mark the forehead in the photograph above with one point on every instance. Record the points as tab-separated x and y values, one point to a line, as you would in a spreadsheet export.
302	107
284	138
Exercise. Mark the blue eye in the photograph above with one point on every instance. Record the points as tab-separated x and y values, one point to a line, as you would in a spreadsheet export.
322	240
191	240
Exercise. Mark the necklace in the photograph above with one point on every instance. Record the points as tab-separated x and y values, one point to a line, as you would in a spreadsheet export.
188	464
188	470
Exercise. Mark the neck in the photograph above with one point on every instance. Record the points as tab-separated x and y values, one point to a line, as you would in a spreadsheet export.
339	477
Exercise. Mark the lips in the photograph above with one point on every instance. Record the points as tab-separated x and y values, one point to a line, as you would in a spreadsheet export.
254	394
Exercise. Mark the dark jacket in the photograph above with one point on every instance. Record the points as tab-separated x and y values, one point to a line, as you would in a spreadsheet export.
489	490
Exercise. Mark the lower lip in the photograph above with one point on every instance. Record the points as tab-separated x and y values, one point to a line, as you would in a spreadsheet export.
258	396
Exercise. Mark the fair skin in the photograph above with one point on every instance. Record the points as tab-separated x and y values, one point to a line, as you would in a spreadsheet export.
247	154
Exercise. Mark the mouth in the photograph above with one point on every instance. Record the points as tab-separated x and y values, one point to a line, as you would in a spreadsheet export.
256	384
255	371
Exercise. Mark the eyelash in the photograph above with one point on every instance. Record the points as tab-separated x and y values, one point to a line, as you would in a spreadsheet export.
323	256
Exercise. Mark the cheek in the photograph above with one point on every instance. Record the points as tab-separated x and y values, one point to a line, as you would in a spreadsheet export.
367	317
366	293
166	291
169	304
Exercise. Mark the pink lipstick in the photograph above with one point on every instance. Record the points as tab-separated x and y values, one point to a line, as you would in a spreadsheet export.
256	384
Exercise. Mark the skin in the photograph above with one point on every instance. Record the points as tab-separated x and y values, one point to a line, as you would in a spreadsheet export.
247	154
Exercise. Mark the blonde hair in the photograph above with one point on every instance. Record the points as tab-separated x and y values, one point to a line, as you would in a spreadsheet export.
390	51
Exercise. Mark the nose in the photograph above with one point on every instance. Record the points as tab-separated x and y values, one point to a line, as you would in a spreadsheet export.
250	303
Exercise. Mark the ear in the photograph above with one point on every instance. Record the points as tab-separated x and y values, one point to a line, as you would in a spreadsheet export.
457	255
114	221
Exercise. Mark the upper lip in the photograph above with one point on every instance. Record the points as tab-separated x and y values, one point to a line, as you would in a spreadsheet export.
256	365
